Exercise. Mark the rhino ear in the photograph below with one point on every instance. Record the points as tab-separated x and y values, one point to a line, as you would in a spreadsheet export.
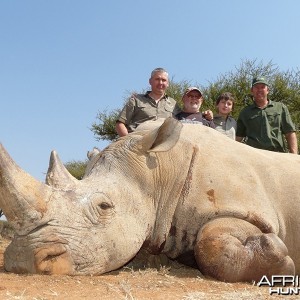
92	153
163	138
58	176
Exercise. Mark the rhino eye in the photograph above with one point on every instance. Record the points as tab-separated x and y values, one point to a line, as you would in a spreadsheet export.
99	209
105	205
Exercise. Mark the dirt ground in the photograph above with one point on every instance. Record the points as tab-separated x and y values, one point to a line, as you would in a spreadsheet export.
168	282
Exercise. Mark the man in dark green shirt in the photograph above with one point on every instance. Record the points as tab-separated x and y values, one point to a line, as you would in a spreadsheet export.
265	123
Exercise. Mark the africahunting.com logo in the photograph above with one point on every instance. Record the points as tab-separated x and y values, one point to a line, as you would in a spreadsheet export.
281	284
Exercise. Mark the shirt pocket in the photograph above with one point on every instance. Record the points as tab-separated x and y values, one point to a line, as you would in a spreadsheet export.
141	106
254	118
273	118
143	112
169	107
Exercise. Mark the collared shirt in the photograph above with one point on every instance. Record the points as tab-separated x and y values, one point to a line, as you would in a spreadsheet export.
141	107
195	118
265	128
226	126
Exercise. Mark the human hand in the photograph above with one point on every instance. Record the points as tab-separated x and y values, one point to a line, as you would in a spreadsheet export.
208	115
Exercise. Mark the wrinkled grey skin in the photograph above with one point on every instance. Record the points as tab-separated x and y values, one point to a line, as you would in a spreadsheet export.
183	190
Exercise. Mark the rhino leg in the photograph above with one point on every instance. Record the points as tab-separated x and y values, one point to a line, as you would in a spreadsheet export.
234	250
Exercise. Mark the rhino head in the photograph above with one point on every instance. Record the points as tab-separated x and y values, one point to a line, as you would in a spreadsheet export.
91	226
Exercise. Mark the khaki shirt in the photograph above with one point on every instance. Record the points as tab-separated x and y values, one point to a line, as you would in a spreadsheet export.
141	107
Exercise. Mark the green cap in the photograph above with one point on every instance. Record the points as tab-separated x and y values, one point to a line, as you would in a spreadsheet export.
257	80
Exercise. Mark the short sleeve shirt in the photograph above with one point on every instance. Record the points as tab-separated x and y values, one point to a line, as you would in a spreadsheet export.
265	128
195	118
226	126
141	107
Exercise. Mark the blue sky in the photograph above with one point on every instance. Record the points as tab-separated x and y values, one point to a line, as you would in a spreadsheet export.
63	61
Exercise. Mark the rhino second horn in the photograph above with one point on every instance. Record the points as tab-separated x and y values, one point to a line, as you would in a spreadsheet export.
58	176
22	197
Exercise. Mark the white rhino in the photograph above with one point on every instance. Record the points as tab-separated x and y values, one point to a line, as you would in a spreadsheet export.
183	190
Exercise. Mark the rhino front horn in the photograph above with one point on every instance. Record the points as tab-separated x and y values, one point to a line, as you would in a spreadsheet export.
22	198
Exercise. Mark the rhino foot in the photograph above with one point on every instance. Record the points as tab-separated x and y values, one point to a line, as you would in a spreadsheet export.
234	250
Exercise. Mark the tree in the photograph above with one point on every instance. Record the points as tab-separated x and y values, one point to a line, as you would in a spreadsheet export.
76	168
284	87
105	129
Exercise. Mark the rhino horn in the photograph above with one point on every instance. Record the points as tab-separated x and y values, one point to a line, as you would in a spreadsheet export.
22	197
58	176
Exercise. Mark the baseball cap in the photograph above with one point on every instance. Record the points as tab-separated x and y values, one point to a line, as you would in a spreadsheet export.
192	88
257	80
